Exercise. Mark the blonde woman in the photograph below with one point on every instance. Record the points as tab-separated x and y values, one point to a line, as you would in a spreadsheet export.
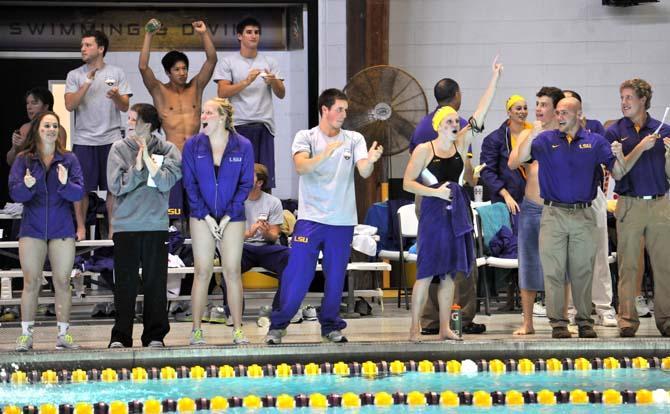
218	167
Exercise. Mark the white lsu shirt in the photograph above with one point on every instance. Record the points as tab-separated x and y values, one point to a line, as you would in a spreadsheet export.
327	194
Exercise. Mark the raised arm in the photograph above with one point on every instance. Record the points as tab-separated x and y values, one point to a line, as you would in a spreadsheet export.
148	76
366	165
207	68
485	101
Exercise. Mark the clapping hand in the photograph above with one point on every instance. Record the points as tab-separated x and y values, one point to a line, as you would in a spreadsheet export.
617	150
113	93
28	179
17	139
649	141
666	142
375	152
62	174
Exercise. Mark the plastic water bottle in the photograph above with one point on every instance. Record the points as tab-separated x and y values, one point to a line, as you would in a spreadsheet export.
456	321
153	26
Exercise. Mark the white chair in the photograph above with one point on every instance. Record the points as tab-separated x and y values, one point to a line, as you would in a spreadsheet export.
408	227
494	261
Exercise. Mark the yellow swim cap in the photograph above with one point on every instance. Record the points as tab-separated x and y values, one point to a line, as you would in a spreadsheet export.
512	100
440	114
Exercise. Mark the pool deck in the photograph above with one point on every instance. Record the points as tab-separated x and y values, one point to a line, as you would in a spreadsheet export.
376	338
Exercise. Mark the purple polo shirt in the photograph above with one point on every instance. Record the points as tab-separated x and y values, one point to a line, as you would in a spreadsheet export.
569	172
424	131
647	177
595	126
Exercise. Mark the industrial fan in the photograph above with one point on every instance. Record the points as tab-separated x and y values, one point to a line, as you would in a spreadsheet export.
385	105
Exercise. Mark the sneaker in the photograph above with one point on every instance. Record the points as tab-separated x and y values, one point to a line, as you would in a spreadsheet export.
10	313
587	331
175	307
650	304
156	344
116	345
607	319
239	338
99	310
42	309
274	336
217	315
297	318
309	313
627	332
185	316
51	310
335	337
263	322
560	332
197	337
110	309
642	307
571	319
24	343
66	342
473	328
265	310
539	309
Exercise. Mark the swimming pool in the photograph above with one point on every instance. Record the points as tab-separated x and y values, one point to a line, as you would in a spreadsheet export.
501	386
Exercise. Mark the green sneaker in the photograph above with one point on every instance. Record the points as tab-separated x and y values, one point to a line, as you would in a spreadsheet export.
197	337
24	343
66	342
239	338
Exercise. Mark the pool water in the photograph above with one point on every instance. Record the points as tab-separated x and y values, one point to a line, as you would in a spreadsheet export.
617	379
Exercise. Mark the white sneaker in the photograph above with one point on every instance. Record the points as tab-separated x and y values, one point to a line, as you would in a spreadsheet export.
571	319
539	309
650	304
297	318
66	342
217	315
116	345
642	307
607	319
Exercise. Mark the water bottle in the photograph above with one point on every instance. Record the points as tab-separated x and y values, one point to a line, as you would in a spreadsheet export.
153	26
456	321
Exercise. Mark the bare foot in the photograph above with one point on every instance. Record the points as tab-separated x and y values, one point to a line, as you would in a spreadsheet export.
415	336
524	330
450	336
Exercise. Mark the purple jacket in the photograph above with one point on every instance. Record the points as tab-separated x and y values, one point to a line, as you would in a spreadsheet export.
47	205
225	194
496	148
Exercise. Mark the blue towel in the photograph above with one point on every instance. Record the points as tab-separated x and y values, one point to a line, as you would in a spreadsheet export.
446	245
493	217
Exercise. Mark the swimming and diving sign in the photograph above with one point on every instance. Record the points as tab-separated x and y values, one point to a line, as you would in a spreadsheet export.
60	28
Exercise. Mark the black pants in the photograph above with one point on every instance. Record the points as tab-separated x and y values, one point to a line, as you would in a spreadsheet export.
149	250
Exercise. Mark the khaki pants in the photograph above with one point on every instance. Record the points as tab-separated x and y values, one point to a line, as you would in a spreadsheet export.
568	247
643	221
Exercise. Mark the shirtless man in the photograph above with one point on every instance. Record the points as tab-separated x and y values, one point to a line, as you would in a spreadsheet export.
178	101
531	278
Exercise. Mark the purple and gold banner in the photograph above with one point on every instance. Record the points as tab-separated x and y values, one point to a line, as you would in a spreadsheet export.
60	29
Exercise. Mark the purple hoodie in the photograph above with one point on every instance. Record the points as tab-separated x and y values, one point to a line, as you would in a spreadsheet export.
47	205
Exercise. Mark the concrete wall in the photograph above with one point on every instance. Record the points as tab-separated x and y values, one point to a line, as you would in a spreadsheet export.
572	44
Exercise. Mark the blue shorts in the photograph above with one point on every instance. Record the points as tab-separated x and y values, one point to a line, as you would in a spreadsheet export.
263	143
93	161
531	276
177	202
